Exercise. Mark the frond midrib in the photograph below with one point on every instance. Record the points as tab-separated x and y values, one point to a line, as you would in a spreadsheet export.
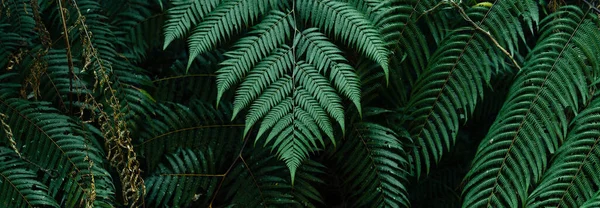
191	129
16	189
531	106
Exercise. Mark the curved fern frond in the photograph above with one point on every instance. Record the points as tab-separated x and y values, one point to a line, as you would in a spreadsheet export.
292	106
261	176
139	29
573	174
187	175
20	13
318	51
56	144
374	164
177	126
19	184
534	119
183	15
9	42
58	86
304	190
180	87
223	21
592	202
99	41
448	90
268	35
347	24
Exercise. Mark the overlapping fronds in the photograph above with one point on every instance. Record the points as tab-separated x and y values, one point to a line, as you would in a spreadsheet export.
374	165
19	183
259	180
572	176
448	90
197	84
227	18
56	85
138	29
593	202
293	88
308	177
9	42
176	126
295	109
347	24
271	33
533	121
184	15
186	176
19	14
73	165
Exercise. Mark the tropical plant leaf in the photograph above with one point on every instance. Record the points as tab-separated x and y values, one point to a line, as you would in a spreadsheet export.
447	92
20	185
534	119
374	165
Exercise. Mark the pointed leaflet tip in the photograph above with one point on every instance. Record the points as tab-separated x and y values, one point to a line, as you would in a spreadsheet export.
219	95
168	40
292	173
246	129
358	108
190	61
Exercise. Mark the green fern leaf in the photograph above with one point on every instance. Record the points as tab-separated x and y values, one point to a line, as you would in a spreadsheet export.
329	60
533	120
186	176
223	21
573	173
447	91
20	185
57	144
184	15
263	176
177	126
348	24
592	202
374	164
271	33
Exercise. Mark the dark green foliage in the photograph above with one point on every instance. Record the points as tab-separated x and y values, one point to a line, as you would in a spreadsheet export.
19	187
299	103
533	122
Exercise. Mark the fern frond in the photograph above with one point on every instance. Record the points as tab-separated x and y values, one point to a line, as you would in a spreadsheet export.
226	19
266	36
448	90
347	24
55	142
318	51
184	15
139	28
374	165
57	86
9	43
19	14
175	85
592	202
533	121
572	175
19	184
187	175
177	126
304	190
258	181
293	107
